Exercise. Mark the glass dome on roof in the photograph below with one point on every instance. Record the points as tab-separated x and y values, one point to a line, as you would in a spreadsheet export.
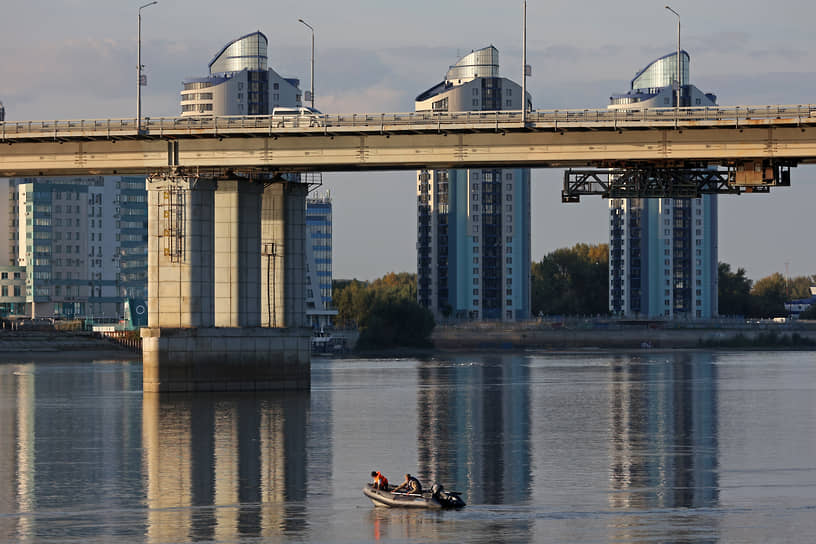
480	63
246	53
663	72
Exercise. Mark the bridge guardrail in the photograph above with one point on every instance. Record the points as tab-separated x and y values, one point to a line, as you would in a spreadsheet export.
475	120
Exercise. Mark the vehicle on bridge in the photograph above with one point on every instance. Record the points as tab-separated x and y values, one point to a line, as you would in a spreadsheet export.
297	116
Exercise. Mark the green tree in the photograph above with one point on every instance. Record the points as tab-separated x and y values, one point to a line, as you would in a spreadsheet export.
734	296
572	281
385	312
769	295
799	287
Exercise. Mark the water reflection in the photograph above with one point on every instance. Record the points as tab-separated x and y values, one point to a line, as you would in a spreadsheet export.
663	448
225	467
474	426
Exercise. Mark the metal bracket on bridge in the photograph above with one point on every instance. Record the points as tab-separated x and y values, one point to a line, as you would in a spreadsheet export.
669	182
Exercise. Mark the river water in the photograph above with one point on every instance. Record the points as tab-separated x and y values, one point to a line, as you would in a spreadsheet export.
688	447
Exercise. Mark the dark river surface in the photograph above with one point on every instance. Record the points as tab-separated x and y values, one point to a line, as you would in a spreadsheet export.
681	447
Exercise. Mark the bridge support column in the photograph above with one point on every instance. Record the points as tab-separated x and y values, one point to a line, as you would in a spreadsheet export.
283	255
204	257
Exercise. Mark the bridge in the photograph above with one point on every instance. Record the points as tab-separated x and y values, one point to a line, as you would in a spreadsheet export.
226	245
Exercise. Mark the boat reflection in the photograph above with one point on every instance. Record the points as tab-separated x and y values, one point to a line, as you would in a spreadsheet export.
225	467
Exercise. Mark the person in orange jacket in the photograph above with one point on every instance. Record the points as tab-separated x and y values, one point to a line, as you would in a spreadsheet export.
380	481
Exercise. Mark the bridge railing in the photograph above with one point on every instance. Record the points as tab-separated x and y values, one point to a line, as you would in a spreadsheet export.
371	122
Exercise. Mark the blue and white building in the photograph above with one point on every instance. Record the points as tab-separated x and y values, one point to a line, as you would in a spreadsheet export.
663	251
319	307
82	242
473	226
240	82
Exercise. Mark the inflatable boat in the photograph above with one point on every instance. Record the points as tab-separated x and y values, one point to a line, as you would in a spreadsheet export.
437	498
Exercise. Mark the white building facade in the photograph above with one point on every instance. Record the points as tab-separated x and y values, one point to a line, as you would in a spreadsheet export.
663	254
473	226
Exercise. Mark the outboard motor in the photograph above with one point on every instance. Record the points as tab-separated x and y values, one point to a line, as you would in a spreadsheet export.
448	500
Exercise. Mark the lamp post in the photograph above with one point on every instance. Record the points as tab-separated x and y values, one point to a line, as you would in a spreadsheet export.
139	67
311	77
679	61
524	65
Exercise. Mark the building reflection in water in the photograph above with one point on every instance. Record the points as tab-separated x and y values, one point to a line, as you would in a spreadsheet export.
224	467
474	427
664	447
62	446
16	455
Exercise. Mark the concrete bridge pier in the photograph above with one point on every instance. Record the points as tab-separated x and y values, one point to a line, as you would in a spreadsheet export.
204	290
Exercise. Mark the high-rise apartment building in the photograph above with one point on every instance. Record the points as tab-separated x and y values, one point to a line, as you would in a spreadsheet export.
81	241
240	82
663	251
473	226
319	261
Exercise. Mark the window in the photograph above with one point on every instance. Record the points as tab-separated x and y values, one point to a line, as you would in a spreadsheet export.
475	291
4	291
3	275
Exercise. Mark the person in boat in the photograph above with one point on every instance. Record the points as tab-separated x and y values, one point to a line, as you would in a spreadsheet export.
380	481
410	485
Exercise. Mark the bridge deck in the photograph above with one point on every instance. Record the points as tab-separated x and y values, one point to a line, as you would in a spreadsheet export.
600	138
401	123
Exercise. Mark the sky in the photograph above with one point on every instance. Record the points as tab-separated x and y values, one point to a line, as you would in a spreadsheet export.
76	59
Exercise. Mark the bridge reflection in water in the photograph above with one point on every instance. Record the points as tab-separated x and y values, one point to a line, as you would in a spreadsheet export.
222	467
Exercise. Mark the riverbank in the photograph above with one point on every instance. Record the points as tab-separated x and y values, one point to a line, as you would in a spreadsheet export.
524	336
38	346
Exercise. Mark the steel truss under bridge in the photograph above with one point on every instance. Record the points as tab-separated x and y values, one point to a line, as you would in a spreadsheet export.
673	182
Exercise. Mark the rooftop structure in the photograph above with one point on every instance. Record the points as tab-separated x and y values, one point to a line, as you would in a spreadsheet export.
240	82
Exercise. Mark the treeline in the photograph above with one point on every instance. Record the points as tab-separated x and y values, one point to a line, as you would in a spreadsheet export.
568	281
575	281
384	311
738	295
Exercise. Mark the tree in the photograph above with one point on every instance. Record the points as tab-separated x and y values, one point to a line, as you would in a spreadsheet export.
734	296
769	295
572	281
799	287
385	312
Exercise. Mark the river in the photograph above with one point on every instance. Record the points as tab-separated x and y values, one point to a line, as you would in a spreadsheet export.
682	447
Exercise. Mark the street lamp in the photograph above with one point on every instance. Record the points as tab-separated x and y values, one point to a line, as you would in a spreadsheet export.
139	67
311	92
524	66
679	62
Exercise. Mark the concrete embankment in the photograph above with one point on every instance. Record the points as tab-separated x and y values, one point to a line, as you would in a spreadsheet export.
25	346
509	337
